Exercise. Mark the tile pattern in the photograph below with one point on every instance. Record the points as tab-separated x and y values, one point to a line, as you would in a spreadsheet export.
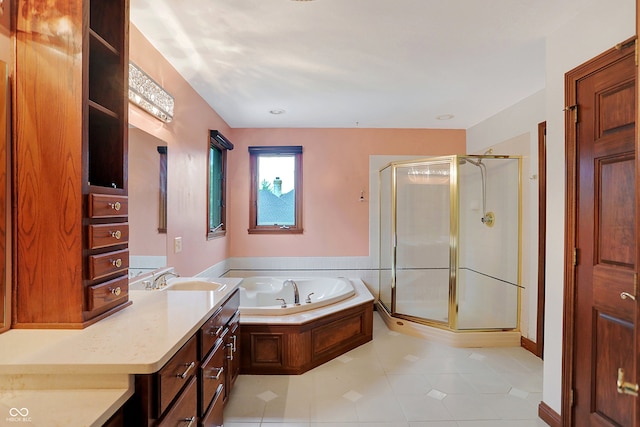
397	381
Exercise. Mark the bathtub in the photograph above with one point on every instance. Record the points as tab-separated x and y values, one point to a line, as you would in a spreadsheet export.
259	295
338	319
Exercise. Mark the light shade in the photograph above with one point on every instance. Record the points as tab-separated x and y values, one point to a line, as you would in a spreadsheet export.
149	95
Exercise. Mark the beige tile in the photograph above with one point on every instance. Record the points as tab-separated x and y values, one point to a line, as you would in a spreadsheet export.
388	383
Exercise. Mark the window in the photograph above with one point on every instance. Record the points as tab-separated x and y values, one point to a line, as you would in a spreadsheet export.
276	190
216	188
162	201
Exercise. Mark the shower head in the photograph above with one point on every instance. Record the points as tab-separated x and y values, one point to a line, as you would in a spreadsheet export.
473	162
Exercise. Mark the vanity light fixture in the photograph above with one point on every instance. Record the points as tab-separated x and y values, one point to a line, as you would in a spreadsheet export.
149	95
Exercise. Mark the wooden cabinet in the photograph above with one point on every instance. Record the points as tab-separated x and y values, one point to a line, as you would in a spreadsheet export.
169	394
172	378
223	358
194	385
232	342
70	143
183	412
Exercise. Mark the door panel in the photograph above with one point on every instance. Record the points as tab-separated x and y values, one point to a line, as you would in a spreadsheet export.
604	337
616	211
610	406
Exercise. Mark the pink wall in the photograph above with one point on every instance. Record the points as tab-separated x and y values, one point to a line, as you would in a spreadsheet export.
187	139
335	171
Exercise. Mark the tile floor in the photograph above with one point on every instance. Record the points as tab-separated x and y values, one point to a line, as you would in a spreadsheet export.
397	381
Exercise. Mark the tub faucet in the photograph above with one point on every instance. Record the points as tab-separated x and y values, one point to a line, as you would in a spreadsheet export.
296	294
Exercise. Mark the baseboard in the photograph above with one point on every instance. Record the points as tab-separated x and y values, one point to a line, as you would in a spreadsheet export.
529	345
549	416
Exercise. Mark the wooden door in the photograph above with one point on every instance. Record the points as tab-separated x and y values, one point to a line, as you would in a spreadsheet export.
602	119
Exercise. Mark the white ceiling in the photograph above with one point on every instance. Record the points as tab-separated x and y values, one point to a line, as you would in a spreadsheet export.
355	63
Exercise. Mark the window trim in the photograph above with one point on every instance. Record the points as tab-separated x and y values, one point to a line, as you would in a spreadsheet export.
285	150
218	141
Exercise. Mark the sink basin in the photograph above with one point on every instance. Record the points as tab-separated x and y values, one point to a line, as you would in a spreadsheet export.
193	284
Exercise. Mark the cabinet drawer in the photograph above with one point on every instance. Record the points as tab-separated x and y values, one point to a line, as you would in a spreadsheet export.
108	292
210	333
184	411
108	263
107	206
104	235
214	416
212	376
176	373
230	307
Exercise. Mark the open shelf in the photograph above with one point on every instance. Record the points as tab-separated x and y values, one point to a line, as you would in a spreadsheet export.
106	157
108	19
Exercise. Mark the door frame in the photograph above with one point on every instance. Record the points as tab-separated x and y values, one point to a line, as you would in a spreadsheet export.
571	157
542	235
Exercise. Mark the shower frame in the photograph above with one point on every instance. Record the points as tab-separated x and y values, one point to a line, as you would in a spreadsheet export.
454	205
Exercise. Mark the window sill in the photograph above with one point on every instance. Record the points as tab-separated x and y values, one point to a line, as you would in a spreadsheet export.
216	234
275	230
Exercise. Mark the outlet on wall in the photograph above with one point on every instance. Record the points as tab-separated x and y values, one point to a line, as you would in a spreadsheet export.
177	245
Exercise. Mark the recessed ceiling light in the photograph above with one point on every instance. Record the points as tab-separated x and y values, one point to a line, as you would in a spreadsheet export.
277	111
445	117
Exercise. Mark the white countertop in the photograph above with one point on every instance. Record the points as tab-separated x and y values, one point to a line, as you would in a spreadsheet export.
81	377
60	408
139	339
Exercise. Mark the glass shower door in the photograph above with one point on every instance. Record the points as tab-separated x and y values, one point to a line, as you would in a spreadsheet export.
385	278
488	277
422	246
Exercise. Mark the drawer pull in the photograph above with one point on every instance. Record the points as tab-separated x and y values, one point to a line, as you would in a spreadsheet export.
230	355
218	391
235	339
116	234
115	206
116	262
115	291
217	375
186	372
189	420
216	332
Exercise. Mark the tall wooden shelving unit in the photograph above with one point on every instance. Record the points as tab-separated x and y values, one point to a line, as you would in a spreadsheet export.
70	164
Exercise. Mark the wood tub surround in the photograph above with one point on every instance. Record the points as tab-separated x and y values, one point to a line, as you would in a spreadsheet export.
296	348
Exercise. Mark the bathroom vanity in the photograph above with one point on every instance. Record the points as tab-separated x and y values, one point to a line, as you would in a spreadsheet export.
195	383
170	356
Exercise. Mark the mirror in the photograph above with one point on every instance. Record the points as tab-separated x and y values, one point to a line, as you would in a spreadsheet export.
147	223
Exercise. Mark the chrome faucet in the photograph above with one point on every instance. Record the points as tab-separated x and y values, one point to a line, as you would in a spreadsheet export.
296	294
160	281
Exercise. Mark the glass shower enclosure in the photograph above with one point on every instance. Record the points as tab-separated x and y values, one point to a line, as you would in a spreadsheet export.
450	241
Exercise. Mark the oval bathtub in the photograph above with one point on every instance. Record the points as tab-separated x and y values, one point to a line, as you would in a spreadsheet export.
259	295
